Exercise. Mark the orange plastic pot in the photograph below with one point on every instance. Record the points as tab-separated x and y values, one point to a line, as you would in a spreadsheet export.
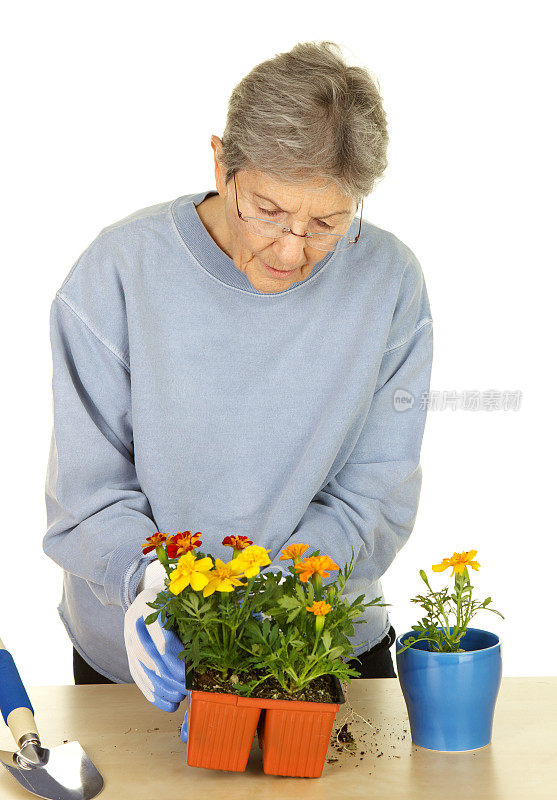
293	734
220	730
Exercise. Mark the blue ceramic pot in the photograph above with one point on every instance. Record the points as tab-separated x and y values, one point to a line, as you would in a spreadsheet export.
450	697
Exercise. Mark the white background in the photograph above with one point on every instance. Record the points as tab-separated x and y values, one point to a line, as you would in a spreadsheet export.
109	107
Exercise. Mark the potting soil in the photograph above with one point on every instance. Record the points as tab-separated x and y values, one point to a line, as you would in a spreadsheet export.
320	690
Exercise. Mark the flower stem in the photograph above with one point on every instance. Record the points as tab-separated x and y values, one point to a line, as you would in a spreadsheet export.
461	581
163	558
317	581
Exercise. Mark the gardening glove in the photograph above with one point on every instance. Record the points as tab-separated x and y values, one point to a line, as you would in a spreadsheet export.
151	649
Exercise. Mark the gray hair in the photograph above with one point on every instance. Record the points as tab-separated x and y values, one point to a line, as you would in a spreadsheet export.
308	114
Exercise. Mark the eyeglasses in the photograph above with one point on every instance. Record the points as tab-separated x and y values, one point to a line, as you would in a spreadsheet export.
276	230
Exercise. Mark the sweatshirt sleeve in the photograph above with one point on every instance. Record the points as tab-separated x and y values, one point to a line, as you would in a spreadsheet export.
371	504
97	514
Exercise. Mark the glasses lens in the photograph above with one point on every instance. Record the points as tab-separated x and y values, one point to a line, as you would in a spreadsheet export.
325	241
319	241
263	228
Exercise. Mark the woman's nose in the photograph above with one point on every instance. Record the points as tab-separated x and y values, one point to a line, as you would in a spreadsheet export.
290	249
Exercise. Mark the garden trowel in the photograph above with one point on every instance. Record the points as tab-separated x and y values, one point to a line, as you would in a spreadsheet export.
64	772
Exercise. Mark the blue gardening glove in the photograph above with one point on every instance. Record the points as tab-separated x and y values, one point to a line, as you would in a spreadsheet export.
153	654
153	651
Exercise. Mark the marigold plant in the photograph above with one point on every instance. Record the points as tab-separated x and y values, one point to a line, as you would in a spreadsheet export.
254	626
440	606
306	630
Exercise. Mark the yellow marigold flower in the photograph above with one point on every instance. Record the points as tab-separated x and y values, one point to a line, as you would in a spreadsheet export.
315	565
251	559
294	552
190	571
458	561
224	577
319	608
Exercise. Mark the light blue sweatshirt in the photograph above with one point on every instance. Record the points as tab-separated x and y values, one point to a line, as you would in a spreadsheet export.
185	399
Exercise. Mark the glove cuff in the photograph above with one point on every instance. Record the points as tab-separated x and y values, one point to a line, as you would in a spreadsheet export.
154	575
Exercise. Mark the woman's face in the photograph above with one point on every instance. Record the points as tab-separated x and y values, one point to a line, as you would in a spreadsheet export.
298	207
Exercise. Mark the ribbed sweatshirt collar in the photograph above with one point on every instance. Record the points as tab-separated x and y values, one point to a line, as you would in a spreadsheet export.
209	255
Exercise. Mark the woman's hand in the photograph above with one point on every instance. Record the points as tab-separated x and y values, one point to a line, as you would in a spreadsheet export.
153	654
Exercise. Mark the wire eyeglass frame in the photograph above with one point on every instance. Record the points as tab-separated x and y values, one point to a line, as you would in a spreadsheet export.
284	230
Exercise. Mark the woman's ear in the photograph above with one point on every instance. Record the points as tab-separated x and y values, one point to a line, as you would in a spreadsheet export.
220	169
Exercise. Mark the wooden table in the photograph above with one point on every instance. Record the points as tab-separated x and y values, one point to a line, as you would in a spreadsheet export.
138	750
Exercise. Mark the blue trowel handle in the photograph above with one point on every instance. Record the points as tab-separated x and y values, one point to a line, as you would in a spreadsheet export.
15	705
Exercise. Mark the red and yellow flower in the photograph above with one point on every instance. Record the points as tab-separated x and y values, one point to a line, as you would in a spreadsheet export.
459	562
237	543
182	542
156	540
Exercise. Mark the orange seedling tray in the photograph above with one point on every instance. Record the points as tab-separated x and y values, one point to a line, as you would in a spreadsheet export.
293	734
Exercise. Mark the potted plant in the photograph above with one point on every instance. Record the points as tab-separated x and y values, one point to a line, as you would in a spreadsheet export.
263	651
449	673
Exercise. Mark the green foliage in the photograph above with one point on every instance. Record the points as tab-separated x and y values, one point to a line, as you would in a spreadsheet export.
290	648
285	641
439	607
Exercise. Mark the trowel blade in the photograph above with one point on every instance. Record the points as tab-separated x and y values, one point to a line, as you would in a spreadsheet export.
69	774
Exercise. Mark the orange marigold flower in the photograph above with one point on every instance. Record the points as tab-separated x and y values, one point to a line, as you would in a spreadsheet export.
293	551
182	542
319	608
237	542
154	541
315	565
458	561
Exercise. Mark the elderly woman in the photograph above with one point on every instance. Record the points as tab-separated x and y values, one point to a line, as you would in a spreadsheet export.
248	360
